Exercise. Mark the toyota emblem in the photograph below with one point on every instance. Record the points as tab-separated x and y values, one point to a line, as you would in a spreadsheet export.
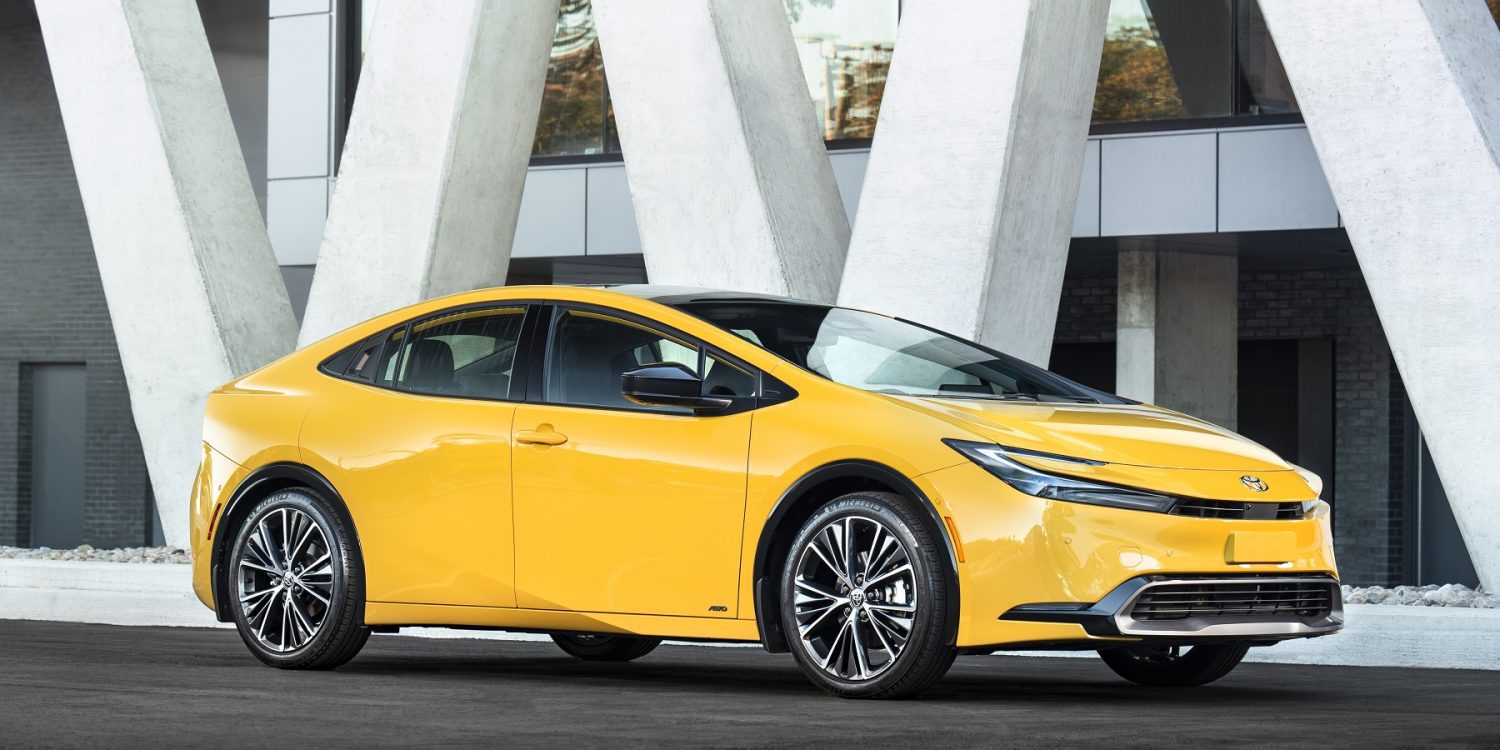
1253	482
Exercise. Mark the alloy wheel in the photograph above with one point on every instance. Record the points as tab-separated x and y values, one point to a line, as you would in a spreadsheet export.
285	579
855	598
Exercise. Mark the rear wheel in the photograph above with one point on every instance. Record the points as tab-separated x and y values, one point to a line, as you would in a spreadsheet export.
1174	666
605	647
864	600
295	583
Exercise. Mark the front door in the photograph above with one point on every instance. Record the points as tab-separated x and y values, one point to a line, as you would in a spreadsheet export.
621	508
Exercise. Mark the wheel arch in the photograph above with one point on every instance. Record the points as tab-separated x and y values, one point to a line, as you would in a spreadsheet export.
259	485
810	492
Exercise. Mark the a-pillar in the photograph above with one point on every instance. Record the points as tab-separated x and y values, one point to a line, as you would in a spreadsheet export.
1177	336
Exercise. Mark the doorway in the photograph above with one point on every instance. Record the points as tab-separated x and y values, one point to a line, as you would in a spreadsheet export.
56	443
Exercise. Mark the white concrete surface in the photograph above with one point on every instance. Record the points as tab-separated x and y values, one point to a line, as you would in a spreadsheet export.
135	594
101	592
1177	330
435	158
1404	112
728	173
186	266
968	203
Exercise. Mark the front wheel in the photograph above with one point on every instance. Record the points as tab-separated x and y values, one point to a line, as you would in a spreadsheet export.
864	599
1174	666
296	583
605	647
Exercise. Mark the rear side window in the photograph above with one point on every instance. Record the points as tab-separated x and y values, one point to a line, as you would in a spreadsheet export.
375	356
469	353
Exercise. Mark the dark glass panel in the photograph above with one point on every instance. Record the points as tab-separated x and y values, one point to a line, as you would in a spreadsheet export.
1264	88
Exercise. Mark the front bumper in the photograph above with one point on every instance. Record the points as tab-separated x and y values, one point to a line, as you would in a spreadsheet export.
1197	608
1022	550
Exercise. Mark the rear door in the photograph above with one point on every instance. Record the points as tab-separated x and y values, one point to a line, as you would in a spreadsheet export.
421	444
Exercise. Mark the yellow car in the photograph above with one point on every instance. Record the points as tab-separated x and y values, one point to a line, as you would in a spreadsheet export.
618	466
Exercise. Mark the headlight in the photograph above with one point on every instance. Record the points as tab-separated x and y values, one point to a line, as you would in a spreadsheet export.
1313	480
997	460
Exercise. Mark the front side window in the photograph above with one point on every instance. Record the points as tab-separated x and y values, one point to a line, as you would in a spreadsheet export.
590	351
468	353
886	355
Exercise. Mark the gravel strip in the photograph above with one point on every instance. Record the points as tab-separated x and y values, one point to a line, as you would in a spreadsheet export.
1446	595
169	555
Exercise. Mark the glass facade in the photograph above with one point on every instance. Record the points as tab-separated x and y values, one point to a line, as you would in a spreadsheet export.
1188	59
845	49
575	118
1162	61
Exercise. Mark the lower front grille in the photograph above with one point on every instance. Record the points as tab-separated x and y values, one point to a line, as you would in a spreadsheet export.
1238	599
1256	511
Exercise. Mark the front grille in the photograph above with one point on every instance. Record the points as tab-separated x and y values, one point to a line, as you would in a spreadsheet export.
1251	597
1197	508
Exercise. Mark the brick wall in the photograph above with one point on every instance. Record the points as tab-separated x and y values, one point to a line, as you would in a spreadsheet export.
52	306
1368	425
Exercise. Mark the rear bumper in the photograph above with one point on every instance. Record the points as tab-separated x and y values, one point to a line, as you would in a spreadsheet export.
1261	611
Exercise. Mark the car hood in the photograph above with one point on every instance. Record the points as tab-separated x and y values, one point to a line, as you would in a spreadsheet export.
1124	435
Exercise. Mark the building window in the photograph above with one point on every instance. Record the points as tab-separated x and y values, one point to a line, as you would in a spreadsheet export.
576	118
1187	60
845	48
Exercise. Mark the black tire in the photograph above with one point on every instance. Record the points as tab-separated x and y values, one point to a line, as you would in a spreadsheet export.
1168	666
340	631
605	647
925	654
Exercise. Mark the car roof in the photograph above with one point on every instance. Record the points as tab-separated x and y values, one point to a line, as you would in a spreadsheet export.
677	295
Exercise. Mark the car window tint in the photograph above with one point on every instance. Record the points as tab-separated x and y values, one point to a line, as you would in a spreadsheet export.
470	353
374	356
591	351
725	379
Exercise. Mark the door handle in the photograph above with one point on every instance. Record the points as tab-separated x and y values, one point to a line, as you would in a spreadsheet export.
541	437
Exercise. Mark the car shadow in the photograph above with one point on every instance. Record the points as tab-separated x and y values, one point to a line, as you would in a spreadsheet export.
1013	680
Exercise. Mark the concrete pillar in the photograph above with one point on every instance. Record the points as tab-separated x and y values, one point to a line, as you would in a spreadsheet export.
1404	111
435	158
968	202
728	173
1178	331
187	269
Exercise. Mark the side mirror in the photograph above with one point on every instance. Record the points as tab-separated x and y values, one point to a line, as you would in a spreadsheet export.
669	384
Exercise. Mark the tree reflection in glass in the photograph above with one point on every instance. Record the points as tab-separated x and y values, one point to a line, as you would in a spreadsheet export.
574	102
845	49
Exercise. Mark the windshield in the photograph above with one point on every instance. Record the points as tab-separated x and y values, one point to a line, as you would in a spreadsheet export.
887	355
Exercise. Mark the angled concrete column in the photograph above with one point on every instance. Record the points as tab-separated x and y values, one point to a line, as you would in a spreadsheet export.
1404	111
1177	341
727	170
188	272
967	205
435	158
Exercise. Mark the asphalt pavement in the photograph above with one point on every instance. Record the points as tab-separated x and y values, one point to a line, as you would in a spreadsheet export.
64	684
